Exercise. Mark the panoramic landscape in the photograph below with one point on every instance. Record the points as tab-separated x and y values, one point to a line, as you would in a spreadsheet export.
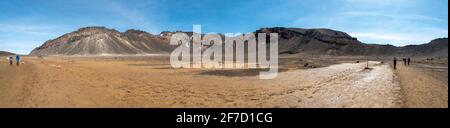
99	65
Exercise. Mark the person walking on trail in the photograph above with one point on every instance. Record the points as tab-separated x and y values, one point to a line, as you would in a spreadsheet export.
404	61
395	63
10	59
17	60
409	61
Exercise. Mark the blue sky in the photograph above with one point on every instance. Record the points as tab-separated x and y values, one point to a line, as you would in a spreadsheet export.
26	24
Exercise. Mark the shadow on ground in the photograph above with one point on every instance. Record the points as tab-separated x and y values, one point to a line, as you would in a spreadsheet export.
237	72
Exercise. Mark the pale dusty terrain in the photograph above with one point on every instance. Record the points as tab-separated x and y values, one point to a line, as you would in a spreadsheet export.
151	82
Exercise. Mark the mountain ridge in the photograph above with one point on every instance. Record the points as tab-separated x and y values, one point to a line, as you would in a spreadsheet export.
102	40
5	53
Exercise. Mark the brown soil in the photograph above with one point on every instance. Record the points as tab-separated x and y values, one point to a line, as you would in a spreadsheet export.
151	82
425	85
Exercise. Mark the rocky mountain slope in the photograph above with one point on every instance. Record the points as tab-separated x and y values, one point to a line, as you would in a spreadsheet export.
331	42
319	41
437	47
104	41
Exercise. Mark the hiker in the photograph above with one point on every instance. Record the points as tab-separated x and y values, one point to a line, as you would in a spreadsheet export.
10	59
404	61
409	60
395	63
17	60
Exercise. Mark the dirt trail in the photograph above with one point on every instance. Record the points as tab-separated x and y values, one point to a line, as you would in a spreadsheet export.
16	84
342	85
423	86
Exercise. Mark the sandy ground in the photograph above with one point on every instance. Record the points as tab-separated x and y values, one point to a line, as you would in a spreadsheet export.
151	82
425	85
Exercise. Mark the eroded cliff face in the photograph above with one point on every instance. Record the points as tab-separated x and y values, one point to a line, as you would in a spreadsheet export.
103	41
320	41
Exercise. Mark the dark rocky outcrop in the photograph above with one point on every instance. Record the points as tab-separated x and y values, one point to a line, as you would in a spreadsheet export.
332	42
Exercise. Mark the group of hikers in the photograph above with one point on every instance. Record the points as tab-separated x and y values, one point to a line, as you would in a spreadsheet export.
10	60
406	62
